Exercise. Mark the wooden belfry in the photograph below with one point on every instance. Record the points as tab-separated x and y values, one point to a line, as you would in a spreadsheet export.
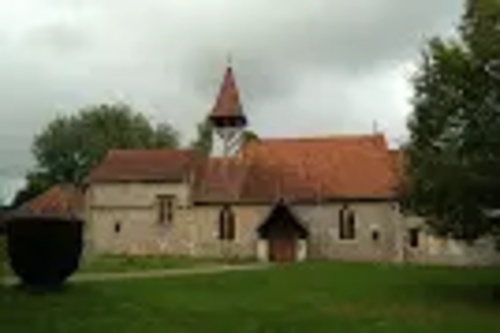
227	117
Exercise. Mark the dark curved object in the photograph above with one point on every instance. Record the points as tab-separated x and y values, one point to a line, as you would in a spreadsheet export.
43	251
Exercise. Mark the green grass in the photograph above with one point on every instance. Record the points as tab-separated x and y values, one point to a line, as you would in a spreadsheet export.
313	297
110	264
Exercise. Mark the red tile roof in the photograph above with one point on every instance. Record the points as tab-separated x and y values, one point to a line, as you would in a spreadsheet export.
347	167
60	200
341	167
144	165
228	101
220	179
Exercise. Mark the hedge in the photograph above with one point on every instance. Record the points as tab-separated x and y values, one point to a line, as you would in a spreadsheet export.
44	252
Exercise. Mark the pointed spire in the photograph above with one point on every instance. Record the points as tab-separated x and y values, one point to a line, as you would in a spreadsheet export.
228	111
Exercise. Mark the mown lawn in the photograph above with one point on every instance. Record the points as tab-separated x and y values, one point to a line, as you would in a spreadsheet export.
313	297
110	264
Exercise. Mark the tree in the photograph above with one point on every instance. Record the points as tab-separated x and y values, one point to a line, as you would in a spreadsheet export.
453	157
250	136
70	146
204	138
36	183
3	203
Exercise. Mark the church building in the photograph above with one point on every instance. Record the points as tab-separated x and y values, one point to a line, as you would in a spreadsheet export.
278	200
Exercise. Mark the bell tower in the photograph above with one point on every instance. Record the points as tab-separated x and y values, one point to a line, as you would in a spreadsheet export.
227	118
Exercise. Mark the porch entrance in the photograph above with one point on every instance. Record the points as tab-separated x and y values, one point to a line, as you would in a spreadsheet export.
283	235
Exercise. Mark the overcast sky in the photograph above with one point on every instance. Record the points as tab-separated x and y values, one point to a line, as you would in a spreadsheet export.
305	67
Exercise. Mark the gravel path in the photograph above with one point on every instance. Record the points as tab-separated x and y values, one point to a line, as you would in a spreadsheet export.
98	277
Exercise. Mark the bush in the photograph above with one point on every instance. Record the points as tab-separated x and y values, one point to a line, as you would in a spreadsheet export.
2	257
44	252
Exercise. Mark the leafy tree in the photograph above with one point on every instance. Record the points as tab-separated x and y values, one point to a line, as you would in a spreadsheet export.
2	201
204	139
250	136
3	208
70	146
453	156
36	183
165	136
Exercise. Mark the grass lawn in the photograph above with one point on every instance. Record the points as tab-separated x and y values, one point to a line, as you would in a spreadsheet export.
312	297
110	264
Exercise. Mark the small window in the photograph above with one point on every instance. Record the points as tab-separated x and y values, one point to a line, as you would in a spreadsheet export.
118	227
414	237
165	209
227	224
347	224
375	235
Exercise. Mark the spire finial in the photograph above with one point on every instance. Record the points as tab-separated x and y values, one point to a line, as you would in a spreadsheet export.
229	60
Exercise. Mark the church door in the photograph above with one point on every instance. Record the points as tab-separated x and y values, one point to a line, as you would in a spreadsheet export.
282	249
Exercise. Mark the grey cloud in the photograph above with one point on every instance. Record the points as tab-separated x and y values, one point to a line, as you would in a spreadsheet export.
59	38
351	37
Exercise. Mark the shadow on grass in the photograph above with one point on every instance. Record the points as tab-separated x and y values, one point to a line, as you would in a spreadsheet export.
24	290
42	290
483	295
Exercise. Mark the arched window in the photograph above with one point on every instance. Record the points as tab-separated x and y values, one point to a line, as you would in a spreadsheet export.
227	224
347	224
414	237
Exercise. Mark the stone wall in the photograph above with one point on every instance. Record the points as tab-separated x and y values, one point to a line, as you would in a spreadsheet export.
206	221
123	219
442	251
323	223
194	230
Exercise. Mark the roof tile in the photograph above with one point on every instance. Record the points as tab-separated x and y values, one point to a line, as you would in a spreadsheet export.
144	165
350	167
60	200
228	101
